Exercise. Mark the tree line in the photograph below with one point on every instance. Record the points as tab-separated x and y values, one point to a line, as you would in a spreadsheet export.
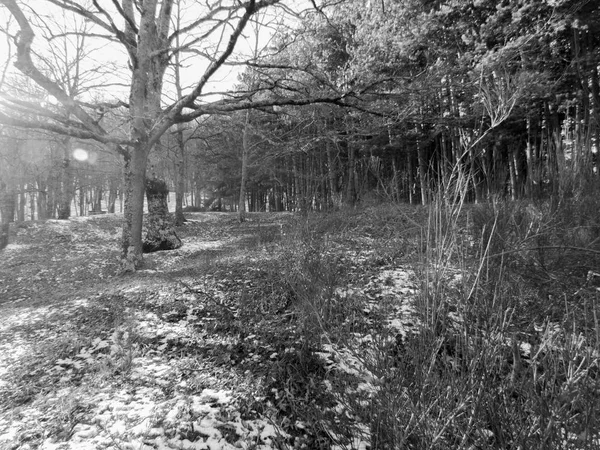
337	103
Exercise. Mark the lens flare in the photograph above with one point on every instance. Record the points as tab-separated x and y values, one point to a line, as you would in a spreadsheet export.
80	154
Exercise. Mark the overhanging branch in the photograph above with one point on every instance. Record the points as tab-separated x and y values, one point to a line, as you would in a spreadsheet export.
222	107
65	130
90	129
168	119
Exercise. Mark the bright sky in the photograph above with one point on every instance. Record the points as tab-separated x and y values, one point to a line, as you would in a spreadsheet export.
104	65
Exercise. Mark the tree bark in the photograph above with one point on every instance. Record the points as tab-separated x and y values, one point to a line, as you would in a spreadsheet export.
160	229
135	180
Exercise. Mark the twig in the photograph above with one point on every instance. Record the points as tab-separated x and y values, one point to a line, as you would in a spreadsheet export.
545	247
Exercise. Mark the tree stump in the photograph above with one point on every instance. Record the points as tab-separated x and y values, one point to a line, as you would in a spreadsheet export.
160	229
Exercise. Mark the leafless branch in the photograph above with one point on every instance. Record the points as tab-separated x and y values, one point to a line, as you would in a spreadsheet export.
61	129
250	8
222	107
9	51
88	127
122	37
107	37
210	16
125	16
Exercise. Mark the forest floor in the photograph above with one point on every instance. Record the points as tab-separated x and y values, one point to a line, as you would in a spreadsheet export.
185	353
251	336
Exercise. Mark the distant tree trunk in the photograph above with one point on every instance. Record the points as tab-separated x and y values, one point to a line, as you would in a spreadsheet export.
7	211
198	198
395	188
81	201
559	154
512	167
96	198
421	149
180	164
53	194
112	195
66	182
298	186
331	174
533	180
160	232
351	194
42	200
32	200
323	194
22	201
595	123
411	176
583	127
245	155
180	176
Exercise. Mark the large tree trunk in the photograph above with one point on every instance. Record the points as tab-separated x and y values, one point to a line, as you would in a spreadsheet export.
144	100
134	181
160	230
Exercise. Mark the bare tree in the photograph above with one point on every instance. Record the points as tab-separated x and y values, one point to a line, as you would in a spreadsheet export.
143	31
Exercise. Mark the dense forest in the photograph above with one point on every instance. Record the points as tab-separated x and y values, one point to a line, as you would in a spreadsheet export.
340	103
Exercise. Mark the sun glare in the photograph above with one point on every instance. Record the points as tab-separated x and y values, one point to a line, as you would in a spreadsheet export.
80	154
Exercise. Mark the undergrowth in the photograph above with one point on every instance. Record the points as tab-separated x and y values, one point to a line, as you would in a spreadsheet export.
386	327
505	350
